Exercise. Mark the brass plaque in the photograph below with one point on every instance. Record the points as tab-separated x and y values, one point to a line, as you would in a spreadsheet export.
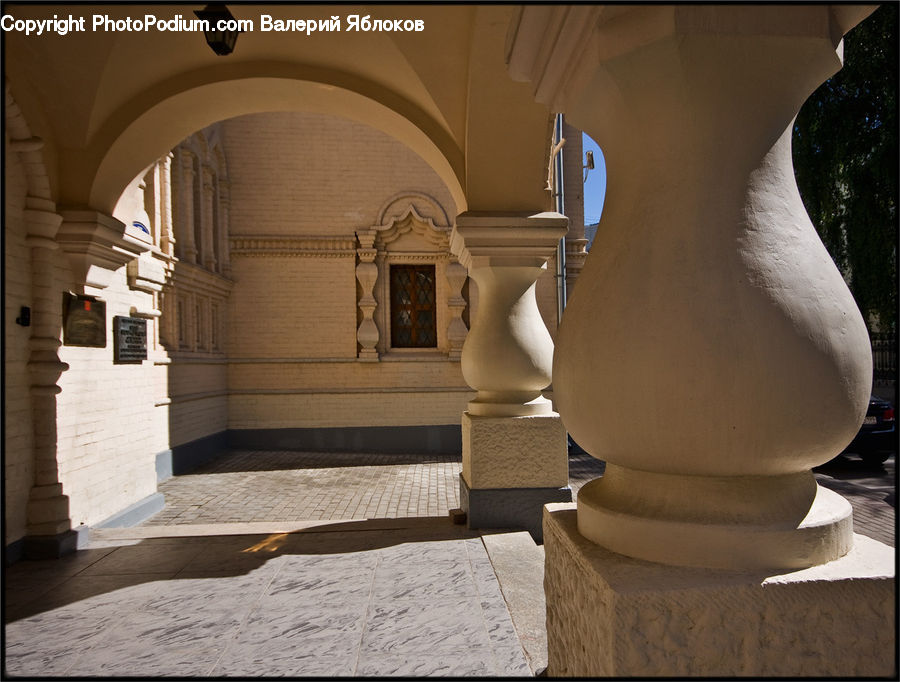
84	321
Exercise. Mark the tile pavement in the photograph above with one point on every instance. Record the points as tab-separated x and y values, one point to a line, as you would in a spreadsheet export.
416	601
342	595
247	486
258	486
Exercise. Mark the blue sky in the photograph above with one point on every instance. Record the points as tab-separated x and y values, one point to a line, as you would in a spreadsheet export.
595	187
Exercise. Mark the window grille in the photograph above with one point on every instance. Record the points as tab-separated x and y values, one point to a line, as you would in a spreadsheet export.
413	312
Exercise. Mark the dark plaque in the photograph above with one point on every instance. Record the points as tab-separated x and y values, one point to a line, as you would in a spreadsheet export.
130	334
84	321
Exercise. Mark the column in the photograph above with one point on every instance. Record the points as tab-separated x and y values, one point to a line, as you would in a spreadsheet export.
711	354
207	233
184	227
167	239
514	445
573	181
223	229
456	305
49	533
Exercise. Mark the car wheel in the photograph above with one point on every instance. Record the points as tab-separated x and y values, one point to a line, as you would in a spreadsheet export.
875	458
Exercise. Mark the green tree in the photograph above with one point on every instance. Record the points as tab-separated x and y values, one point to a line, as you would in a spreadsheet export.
846	161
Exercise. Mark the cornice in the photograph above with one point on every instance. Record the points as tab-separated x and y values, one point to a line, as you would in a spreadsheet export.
311	246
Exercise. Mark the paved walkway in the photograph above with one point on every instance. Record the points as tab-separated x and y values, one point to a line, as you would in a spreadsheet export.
871	490
247	486
263	486
414	601
309	564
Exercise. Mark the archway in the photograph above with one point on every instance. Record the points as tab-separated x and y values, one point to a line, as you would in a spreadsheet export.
128	148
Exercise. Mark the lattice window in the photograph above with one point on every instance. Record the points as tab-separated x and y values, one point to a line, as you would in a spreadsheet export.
413	310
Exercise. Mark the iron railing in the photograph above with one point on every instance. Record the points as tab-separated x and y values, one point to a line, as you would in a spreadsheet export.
884	357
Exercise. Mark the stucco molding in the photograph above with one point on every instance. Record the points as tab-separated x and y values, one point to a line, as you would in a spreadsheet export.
306	246
96	246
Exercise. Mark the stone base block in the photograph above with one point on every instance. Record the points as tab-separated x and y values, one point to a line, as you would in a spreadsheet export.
50	546
610	615
515	508
514	452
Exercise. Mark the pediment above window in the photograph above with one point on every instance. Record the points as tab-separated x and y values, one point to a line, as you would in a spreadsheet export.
414	213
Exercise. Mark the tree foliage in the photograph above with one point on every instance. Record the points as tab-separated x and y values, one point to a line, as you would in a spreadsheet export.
846	162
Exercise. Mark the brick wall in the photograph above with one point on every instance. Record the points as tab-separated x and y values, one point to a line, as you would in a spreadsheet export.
17	433
316	174
309	175
108	425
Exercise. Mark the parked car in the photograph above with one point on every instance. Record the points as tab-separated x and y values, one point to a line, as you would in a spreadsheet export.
877	437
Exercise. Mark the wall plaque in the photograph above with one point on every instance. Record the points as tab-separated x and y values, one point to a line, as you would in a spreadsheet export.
130	340
84	321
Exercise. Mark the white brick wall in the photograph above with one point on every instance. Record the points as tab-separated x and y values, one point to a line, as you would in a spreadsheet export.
108	426
17	435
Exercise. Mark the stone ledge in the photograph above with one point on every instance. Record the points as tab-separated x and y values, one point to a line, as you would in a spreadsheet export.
609	615
136	513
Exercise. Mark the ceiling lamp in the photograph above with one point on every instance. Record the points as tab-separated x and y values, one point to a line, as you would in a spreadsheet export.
221	40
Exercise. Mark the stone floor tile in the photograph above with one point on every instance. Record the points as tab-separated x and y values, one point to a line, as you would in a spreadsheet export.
397	581
323	580
438	625
478	662
147	557
330	632
153	643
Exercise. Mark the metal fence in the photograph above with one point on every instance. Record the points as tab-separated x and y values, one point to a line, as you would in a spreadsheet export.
884	358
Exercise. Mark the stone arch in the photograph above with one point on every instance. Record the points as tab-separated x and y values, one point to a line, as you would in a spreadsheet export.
29	148
155	128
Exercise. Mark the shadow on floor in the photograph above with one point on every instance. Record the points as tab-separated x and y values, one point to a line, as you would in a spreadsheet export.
33	587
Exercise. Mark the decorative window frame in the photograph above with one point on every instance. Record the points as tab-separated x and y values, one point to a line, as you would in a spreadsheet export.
376	252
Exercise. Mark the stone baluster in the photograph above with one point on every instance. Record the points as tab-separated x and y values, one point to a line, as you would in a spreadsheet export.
711	355
514	450
367	274
456	304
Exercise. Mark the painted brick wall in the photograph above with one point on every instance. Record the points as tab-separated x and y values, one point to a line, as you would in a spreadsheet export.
311	175
108	426
293	307
17	434
316	174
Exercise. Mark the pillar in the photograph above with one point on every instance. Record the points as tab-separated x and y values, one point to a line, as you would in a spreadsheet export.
184	227
49	531
207	228
166	229
573	181
711	355
222	229
456	306
514	445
